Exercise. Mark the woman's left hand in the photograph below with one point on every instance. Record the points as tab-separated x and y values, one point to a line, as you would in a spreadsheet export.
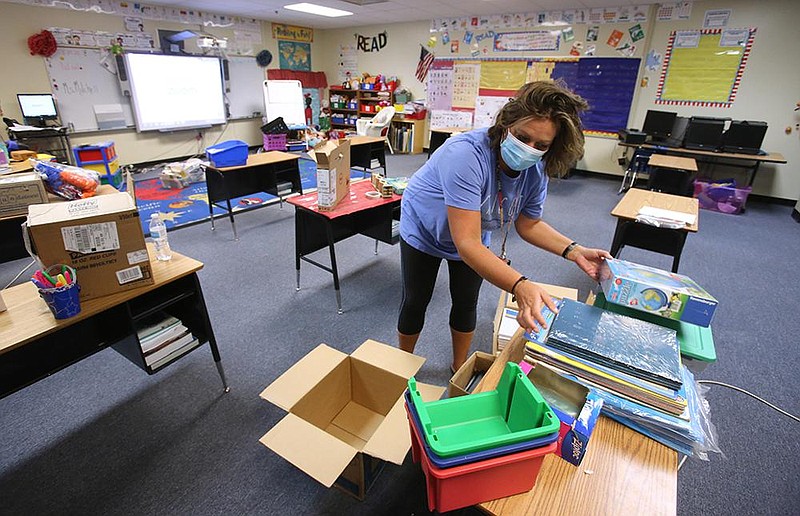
588	260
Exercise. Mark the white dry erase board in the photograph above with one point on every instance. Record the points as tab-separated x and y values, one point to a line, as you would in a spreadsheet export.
84	81
285	99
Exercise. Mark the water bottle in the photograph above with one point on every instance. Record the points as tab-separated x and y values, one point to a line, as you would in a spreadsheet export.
158	232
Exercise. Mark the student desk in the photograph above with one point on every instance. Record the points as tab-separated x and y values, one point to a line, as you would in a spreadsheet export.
671	174
441	134
263	172
749	162
34	345
363	149
357	214
660	240
623	472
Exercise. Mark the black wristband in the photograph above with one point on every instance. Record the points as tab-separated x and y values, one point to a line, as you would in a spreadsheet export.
520	280
568	249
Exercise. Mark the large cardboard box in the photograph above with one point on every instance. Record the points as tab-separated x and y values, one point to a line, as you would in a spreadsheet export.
345	413
101	237
18	191
333	172
657	292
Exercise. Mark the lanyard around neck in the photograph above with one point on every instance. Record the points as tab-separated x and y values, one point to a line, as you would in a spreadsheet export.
504	227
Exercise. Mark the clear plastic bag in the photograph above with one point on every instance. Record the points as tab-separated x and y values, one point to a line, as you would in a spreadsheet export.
67	181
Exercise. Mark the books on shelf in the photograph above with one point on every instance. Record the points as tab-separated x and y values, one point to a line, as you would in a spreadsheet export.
162	336
192	343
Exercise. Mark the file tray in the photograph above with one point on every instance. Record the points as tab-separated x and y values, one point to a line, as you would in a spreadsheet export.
449	462
696	342
512	413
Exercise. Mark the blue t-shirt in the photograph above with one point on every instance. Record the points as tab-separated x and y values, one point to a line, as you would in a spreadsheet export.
462	173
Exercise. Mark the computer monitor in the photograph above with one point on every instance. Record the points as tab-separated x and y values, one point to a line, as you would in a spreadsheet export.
744	137
704	133
658	124
37	108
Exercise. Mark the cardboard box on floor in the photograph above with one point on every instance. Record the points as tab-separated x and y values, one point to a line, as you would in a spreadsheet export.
505	301
333	172
345	413
101	237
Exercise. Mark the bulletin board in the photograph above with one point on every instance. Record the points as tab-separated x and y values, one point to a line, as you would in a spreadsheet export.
607	84
704	67
84	80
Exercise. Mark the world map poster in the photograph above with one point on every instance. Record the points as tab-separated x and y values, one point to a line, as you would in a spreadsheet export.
294	55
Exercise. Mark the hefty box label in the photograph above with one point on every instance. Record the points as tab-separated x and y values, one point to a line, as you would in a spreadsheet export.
663	293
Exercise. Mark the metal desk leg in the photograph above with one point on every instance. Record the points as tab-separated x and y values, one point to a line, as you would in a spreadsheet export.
334	269
230	215
211	213
616	243
212	340
376	246
297	239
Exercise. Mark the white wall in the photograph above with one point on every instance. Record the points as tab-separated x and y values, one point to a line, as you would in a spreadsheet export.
768	91
769	88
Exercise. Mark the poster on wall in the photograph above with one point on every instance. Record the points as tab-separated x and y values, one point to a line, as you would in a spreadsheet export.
536	40
440	85
466	79
348	62
294	55
486	108
702	74
445	118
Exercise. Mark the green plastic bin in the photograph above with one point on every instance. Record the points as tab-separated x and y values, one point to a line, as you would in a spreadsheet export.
696	342
512	413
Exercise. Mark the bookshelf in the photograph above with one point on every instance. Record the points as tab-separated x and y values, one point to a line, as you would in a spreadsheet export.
348	105
407	135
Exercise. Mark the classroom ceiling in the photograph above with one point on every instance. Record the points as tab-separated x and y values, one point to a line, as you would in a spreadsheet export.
383	12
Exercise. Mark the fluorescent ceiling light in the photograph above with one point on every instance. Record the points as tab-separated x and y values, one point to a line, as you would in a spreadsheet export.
318	10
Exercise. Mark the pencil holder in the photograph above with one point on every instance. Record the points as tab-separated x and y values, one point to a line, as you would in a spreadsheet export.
63	301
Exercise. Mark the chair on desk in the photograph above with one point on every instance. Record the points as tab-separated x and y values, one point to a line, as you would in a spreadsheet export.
637	165
377	125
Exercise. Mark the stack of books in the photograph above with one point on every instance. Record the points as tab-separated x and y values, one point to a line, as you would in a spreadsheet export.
633	365
163	338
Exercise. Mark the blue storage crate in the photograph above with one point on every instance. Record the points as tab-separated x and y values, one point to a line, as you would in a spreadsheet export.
231	153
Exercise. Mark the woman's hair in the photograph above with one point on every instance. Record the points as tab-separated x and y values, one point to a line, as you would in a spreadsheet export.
552	101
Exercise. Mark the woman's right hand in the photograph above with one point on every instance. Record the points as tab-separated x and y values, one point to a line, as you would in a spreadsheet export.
531	298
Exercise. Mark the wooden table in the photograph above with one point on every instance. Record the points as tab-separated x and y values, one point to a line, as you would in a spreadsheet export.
623	472
658	239
356	214
264	172
34	345
749	162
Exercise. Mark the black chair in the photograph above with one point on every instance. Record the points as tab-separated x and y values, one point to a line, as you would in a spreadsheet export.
671	181
643	236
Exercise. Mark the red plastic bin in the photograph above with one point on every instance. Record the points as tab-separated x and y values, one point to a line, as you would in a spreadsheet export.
461	486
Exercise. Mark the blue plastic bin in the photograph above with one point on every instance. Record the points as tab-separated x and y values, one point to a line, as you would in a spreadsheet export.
231	153
449	462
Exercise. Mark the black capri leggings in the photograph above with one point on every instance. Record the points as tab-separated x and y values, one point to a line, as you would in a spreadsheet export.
419	272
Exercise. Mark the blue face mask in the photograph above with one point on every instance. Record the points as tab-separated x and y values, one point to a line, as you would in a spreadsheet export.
517	155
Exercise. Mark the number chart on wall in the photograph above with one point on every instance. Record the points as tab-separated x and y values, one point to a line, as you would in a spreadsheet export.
607	84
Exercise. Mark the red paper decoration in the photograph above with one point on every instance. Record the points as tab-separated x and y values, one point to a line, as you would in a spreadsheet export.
42	44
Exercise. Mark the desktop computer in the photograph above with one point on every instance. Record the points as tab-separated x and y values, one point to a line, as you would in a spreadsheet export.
37	108
658	125
704	133
744	137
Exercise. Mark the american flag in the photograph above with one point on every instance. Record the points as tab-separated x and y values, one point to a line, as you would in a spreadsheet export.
425	62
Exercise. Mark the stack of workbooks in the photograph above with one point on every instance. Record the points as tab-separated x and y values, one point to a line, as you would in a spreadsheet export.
634	365
164	337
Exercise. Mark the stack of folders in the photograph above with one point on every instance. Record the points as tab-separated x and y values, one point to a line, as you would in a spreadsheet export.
164	338
633	365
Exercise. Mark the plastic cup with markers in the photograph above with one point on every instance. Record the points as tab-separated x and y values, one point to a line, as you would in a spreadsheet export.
58	286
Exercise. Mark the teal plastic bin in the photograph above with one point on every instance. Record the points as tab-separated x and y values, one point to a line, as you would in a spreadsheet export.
512	413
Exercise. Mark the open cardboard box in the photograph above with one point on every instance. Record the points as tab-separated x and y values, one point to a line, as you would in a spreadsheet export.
333	172
345	413
479	362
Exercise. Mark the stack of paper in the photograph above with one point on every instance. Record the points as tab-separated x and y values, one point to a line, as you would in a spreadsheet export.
163	338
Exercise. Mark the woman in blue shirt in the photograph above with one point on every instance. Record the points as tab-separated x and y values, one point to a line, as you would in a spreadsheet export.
483	181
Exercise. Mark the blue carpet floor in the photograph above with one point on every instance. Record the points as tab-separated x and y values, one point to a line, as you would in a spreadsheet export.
190	205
